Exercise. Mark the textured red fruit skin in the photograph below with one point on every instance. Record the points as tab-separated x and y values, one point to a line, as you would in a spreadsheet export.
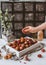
18	42
13	46
22	39
10	44
39	55
22	43
43	50
21	48
17	48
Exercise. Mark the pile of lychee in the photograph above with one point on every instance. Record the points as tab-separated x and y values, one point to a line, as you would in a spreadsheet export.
22	43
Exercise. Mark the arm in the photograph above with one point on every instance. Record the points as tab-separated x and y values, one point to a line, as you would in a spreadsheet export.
40	27
30	29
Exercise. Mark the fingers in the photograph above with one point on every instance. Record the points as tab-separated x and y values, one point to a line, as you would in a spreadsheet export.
28	29
25	30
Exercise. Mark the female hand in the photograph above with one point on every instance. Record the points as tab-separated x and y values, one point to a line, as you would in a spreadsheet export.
28	29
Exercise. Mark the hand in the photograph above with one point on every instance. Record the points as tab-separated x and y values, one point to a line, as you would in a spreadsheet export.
28	29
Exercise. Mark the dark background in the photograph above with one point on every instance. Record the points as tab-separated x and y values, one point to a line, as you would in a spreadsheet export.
26	13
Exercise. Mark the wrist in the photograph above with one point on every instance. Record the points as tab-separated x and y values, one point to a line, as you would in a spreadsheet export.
36	29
